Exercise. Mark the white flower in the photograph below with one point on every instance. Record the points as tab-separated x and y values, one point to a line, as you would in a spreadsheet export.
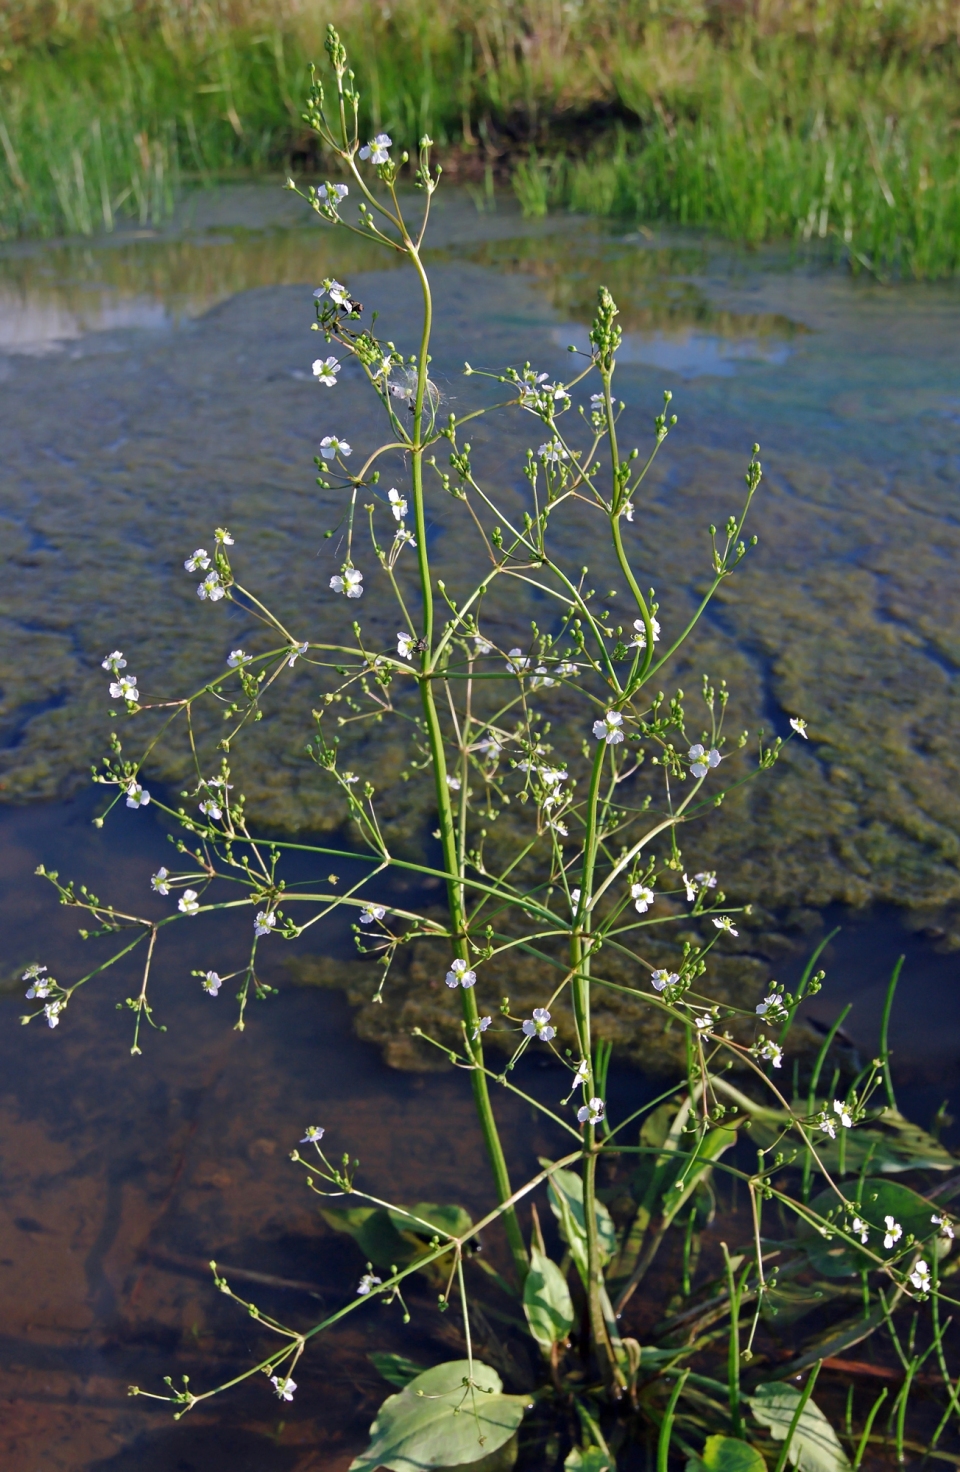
454	784
538	1026
691	889
842	1111
160	882
398	504
325	370
551	776
920	1277
405	643
114	662
236	658
482	646
350	778
559	827
371	912
591	1113
771	1000
661	978
188	902
640	642
771	1052
296	652
481	1026
608	729
212	809
725	923
211	588
800	726
40	985
125	688
223	537
703	1023
331	446
137	796
701	761
642	898
706	880
349	581
402	537
574	898
197	561
314	1134
264	922
491	746
626	510
332	193
516	662
827	1124
284	1386
552	452
582	1074
893	1233
211	983
337	293
460	975
943	1222
860	1229
367	1282
377	150
541	679
566	668
52	1013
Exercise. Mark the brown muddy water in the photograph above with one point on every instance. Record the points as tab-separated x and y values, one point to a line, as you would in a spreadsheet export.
155	385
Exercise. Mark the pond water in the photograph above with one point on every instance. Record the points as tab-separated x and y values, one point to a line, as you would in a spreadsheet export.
156	384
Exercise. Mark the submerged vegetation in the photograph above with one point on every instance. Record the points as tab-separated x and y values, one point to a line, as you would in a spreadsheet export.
768	1196
825	120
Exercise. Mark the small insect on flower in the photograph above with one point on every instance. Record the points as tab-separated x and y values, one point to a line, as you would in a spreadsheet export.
236	659
460	975
198	561
125	688
114	662
860	1229
332	193
314	1134
701	761
661	979
842	1111
398	503
40	985
337	293
188	903
591	1113
723	922
137	796
264	922
325	370
349	581
640	642
377	150
516	662
608	729
371	912
211	983
771	1052
284	1386
481	1026
367	1283
211	587
920	1277
642	898
538	1026
893	1233
943	1222
331	446
800	726
52	1013
160	882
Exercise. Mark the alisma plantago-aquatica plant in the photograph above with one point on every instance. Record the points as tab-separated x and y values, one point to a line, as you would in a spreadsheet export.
600	861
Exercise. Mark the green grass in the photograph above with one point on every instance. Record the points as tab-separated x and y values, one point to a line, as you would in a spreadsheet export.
803	119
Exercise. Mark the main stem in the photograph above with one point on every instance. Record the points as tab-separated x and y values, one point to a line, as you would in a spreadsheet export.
448	835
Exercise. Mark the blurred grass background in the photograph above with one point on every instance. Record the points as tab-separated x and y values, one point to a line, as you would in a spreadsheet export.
827	120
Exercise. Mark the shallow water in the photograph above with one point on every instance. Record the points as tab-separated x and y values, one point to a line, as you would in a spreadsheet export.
159	384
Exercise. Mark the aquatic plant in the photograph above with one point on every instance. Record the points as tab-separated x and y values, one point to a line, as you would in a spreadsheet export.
599	871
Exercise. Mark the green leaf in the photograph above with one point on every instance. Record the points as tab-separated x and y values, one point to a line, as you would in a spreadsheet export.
591	1460
727	1454
388	1237
567	1185
395	1367
452	1221
891	1143
546	1301
815	1446
439	1421
878	1198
